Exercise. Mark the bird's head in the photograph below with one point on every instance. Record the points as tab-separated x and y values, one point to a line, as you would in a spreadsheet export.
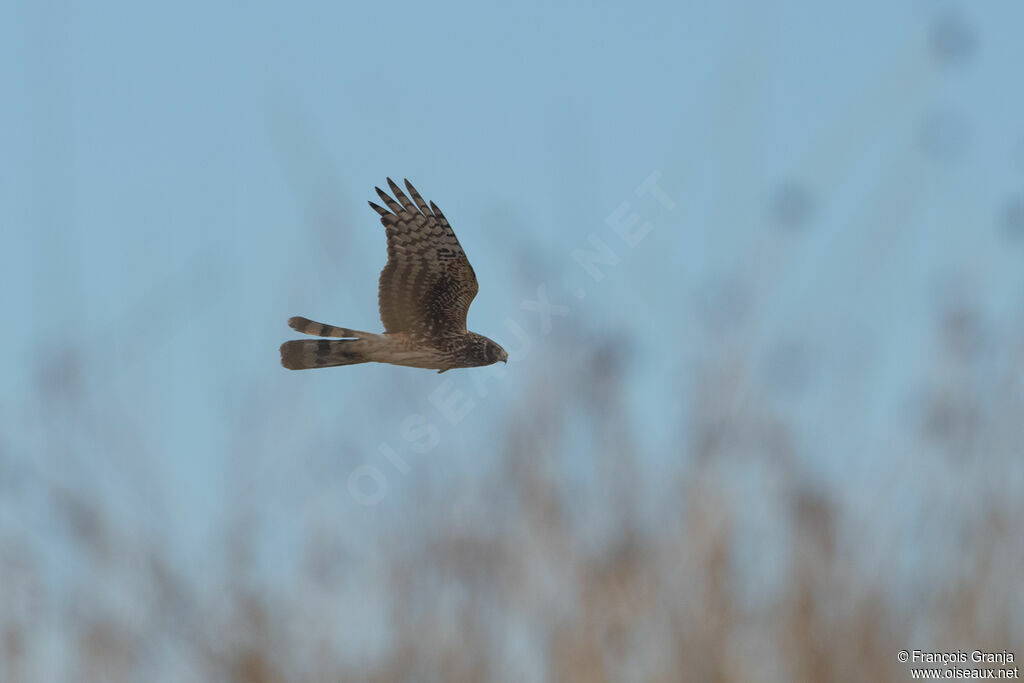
496	353
487	352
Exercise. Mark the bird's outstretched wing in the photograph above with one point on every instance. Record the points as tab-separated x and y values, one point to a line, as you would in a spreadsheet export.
427	285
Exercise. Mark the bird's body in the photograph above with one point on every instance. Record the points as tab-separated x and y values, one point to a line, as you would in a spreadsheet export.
425	291
397	348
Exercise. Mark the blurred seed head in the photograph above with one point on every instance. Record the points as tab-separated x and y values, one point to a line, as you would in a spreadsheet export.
722	305
60	373
952	39
607	360
962	330
791	206
1012	220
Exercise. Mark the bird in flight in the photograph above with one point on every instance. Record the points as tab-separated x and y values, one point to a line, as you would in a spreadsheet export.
424	295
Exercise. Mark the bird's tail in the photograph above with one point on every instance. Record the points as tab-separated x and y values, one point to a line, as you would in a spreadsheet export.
303	354
307	326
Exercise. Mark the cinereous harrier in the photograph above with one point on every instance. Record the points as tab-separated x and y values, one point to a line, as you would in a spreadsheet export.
424	295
